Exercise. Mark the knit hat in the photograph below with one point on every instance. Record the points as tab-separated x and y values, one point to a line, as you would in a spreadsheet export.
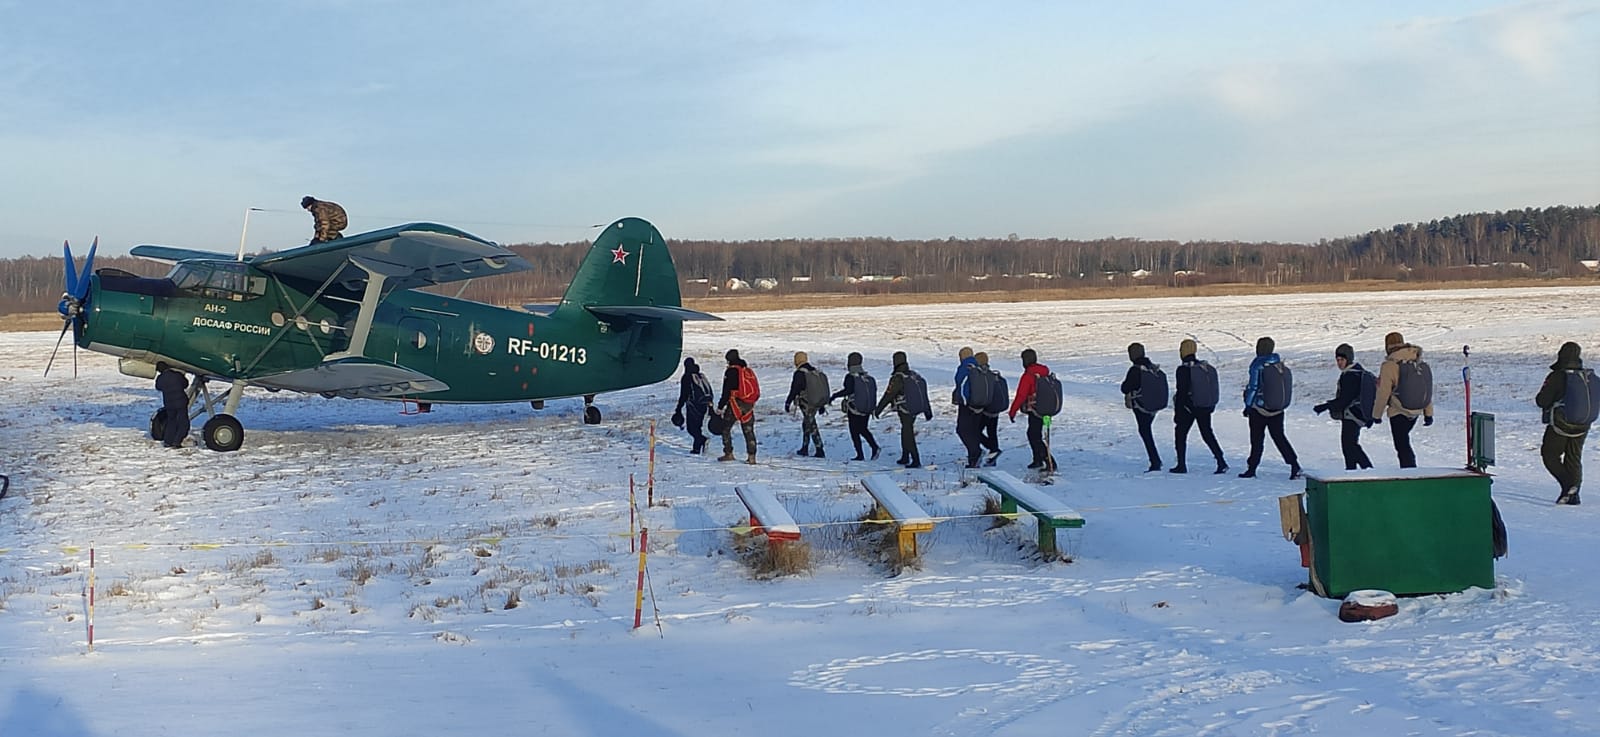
854	359
1346	352
1186	348
1029	357
965	353
732	355
689	364
307	201
1393	341
1265	345
1135	351
800	357
981	357
1569	353
899	358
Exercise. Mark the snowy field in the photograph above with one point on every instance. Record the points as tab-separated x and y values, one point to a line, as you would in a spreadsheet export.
353	570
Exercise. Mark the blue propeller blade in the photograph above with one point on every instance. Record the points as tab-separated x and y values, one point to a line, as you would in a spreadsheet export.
72	269
82	283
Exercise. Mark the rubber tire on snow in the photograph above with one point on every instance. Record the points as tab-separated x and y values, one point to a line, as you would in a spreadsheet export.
223	433
591	415
158	424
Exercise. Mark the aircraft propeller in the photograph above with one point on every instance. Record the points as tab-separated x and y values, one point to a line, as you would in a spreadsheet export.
74	301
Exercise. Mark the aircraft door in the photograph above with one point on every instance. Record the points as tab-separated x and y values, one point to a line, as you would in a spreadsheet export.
417	345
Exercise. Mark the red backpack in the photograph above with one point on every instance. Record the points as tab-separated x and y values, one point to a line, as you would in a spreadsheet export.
749	389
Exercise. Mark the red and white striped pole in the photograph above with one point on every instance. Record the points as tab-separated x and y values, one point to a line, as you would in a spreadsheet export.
638	595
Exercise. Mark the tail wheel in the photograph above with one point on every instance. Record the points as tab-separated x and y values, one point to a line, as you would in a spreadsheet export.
223	433
591	415
158	424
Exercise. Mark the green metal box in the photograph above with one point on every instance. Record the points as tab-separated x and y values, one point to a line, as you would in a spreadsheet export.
1413	531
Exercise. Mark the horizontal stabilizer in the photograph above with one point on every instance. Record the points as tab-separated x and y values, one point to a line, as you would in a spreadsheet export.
650	312
355	378
173	253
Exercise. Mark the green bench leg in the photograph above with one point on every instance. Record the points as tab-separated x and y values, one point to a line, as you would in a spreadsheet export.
1047	539
1008	506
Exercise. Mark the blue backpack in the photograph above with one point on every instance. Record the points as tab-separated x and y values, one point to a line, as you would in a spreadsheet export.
864	395
1276	391
1152	395
913	394
1204	391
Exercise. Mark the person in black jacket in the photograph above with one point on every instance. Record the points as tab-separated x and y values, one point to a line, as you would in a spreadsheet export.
1562	448
1186	415
859	430
1346	407
174	388
808	413
1130	392
893	396
694	395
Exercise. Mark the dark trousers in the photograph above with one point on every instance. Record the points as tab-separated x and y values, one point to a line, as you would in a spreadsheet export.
1563	457
969	427
1260	425
1180	437
908	439
1145	420
748	427
1041	452
694	421
1400	426
990	426
1350	443
859	431
177	426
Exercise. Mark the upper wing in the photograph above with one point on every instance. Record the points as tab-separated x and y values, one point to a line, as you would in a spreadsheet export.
419	254
171	253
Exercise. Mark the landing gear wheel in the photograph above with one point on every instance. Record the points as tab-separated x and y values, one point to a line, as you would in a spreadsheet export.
223	433
591	415
158	424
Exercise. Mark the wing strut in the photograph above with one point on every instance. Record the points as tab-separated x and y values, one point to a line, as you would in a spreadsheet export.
377	273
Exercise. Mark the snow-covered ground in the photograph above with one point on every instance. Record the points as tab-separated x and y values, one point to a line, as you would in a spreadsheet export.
468	571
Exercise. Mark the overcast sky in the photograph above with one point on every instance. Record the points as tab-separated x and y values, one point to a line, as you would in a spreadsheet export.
162	122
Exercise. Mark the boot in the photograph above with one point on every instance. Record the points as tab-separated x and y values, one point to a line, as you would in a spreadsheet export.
750	459
1570	496
728	456
1294	471
803	451
1154	466
1180	468
819	453
859	457
875	451
1249	473
1222	467
994	455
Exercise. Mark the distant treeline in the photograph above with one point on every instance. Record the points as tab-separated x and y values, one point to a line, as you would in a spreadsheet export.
1544	242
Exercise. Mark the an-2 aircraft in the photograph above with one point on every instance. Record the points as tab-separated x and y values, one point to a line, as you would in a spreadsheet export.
345	318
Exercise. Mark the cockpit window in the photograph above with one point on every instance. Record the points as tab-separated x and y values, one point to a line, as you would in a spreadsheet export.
230	281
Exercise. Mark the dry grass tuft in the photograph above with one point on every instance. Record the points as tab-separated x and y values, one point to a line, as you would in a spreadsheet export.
771	561
991	508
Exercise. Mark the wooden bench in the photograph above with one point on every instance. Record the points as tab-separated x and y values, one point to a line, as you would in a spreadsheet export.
768	515
1051	512
892	503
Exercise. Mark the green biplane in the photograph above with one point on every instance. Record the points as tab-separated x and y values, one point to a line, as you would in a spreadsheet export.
346	318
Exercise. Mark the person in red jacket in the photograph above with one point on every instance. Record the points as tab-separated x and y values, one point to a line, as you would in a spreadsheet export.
1023	402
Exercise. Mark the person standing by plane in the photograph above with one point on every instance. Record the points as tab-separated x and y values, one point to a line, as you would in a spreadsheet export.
328	217
694	395
174	388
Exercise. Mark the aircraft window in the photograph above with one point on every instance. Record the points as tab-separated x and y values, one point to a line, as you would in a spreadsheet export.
419	341
187	276
232	282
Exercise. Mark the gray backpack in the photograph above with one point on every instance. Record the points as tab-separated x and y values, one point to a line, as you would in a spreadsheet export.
913	394
1415	388
865	395
980	387
1152	395
1204	391
999	397
1276	390
816	391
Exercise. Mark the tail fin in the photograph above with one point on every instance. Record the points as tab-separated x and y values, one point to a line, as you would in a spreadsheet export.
628	273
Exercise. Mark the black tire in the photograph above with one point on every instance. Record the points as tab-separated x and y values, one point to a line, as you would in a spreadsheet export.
591	415
223	433
158	424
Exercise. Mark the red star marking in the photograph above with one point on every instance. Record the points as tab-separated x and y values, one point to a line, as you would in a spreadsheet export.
619	256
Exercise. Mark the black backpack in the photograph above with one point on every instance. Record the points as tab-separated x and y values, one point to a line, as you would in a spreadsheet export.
865	395
1046	395
1363	408
816	392
1204	391
913	394
1152	395
700	392
999	397
1415	387
1580	406
980	386
1276	390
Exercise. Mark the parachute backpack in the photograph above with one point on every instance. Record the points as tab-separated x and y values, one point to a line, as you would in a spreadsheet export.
749	389
1047	395
980	387
1152	395
1276	390
816	391
700	392
1580	405
1204	391
1415	387
999	396
864	395
914	394
1363	408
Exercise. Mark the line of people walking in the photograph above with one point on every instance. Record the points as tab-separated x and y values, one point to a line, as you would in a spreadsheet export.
1401	393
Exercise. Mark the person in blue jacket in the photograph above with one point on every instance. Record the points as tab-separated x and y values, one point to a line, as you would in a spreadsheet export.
1263	420
969	421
